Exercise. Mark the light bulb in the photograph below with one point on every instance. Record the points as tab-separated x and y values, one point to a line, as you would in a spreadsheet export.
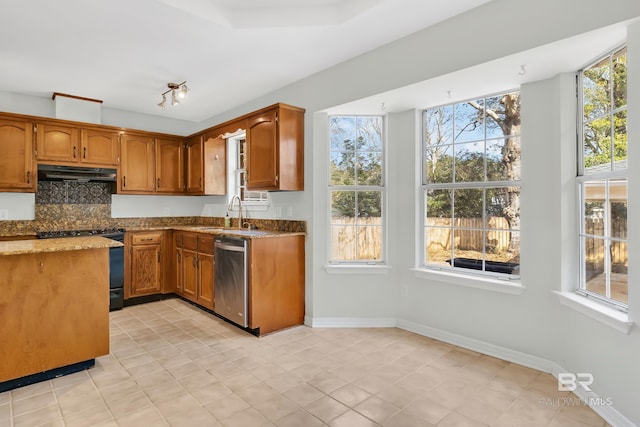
174	98
162	103
183	91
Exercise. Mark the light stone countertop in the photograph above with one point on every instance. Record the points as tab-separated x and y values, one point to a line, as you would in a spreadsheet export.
19	247
247	233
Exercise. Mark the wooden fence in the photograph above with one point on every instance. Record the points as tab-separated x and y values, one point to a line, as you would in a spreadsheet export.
594	248
365	244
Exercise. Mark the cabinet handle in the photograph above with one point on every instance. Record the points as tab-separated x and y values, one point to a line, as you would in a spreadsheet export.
200	182
84	152
75	152
124	181
193	262
147	239
28	177
158	182
276	179
158	256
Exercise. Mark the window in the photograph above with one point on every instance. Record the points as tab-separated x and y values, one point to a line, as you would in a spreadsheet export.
356	189
602	180
471	186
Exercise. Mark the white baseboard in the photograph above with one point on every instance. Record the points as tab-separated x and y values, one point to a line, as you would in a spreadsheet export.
606	411
349	322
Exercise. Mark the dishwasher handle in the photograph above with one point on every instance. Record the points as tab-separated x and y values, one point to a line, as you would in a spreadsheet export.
227	247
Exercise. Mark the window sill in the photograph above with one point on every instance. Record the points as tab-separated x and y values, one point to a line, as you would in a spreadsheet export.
485	283
357	269
600	312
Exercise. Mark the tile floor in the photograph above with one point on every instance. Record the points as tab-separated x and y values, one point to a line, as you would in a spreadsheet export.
172	364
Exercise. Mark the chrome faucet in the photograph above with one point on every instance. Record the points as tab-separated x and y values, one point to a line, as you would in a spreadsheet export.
233	199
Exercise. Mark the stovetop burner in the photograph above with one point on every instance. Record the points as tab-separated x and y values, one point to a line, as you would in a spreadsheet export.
77	233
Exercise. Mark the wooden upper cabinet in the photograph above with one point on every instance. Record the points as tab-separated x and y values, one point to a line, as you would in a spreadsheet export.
56	143
206	160
59	144
100	147
137	168
275	149
169	166
16	157
194	165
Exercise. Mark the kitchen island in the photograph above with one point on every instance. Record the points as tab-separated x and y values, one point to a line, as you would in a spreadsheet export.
54	307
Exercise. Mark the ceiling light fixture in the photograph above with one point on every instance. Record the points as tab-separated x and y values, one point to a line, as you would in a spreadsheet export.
178	90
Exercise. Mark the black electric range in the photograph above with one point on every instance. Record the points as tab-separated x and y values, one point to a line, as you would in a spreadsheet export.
116	258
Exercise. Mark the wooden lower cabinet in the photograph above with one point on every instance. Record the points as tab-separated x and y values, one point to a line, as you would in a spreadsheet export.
194	272
143	257
276	283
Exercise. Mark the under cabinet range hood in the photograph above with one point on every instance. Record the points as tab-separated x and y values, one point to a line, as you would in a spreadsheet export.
75	173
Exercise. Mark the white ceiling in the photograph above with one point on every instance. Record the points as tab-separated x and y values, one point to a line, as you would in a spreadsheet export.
229	51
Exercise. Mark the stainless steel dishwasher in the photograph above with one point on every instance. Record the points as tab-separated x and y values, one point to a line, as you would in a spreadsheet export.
230	279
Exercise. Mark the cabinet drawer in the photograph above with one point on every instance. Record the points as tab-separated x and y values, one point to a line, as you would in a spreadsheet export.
190	242
146	238
205	244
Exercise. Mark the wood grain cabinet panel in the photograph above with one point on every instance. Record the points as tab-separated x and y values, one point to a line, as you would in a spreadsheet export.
144	264
169	165
17	157
206	160
276	288
195	256
56	143
275	149
100	147
137	169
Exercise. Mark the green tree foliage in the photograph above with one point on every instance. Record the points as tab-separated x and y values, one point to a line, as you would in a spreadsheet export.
605	115
356	160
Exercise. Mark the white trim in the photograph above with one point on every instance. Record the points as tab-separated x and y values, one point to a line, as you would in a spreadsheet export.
607	315
356	269
477	282
348	322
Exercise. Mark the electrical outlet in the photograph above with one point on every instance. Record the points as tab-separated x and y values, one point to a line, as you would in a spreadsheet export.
278	212
290	211
4	214
404	290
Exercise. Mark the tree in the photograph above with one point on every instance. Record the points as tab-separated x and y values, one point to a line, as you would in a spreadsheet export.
605	91
356	160
457	127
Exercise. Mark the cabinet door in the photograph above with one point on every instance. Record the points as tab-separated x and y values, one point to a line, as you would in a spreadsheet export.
178	271
58	143
205	270
190	274
262	151
205	290
169	166
145	271
137	168
100	147
16	156
215	165
195	166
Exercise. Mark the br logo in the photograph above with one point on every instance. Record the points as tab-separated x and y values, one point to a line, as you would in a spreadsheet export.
568	381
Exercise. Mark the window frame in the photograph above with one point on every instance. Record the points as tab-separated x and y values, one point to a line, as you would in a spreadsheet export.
460	273
606	176
364	263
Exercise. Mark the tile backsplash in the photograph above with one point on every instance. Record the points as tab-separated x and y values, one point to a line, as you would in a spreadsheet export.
73	192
